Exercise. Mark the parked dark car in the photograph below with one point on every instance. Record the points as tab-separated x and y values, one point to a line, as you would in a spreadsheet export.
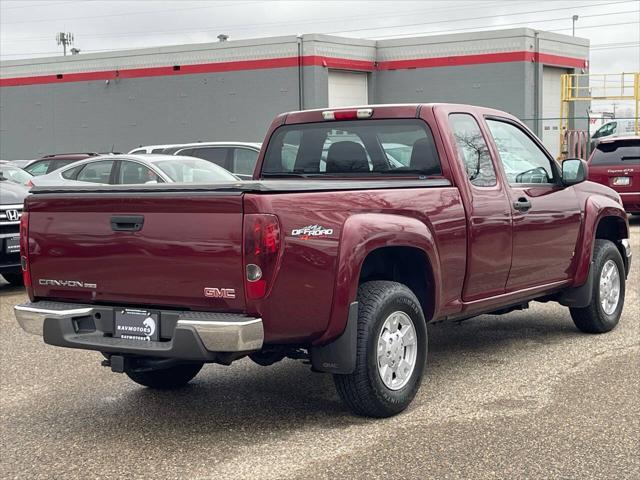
12	197
51	163
615	162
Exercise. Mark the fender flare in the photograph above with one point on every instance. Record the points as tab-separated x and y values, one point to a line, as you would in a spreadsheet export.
361	235
596	208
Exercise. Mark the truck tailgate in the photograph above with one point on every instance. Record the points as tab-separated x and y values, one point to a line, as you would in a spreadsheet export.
187	253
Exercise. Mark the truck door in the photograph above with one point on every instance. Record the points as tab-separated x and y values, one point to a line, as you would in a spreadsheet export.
487	209
546	216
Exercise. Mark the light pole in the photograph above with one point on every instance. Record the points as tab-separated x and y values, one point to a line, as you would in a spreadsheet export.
573	26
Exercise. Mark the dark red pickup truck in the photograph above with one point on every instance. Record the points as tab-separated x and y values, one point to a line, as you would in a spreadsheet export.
361	227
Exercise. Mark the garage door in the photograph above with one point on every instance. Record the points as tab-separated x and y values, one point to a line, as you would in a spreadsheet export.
347	88
551	109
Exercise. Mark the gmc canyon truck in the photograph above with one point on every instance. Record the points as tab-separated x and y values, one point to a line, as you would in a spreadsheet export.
361	227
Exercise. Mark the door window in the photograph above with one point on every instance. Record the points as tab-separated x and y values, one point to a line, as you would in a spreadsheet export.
39	168
132	173
72	173
244	161
606	130
522	159
96	172
214	155
472	150
58	164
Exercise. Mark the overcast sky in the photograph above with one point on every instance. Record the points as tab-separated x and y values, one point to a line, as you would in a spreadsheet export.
28	28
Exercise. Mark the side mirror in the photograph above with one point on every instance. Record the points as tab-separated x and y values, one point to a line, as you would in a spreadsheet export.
574	170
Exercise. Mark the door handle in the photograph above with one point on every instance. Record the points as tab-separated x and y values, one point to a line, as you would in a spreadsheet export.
127	223
522	204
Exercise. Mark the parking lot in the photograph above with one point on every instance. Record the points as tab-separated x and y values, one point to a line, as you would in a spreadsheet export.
517	396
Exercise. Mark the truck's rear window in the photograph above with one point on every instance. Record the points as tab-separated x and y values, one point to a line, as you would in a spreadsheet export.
353	148
618	152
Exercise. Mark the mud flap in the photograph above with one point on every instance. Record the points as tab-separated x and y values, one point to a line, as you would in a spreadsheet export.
338	356
579	297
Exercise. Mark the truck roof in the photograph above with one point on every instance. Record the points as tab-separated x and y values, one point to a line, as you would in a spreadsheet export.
396	110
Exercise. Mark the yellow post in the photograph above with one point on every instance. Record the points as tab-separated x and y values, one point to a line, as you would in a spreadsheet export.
636	91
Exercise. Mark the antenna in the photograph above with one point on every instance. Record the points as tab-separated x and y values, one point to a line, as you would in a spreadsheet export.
64	39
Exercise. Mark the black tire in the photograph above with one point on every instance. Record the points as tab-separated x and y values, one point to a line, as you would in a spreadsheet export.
14	279
167	378
593	318
363	391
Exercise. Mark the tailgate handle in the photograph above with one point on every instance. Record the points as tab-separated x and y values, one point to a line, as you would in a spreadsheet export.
129	223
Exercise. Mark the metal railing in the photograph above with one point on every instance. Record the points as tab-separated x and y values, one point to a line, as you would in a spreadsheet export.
585	87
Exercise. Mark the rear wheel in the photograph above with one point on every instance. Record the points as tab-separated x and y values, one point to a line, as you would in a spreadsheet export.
14	279
166	378
391	351
607	298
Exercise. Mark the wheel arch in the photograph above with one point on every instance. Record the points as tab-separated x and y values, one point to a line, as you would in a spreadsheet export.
604	219
390	236
408	265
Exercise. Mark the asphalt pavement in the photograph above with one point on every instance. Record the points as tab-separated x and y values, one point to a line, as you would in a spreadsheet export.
524	395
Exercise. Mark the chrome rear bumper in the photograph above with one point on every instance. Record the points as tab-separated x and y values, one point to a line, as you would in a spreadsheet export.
91	327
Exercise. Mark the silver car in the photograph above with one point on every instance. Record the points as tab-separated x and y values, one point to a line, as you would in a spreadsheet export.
136	169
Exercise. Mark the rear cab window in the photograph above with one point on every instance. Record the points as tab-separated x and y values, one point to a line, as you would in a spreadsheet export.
472	150
353	148
619	152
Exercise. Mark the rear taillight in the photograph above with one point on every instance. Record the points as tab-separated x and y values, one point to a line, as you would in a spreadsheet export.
29	184
24	249
261	249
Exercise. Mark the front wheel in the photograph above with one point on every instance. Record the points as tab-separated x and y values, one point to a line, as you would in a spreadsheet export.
391	351
607	298
166	378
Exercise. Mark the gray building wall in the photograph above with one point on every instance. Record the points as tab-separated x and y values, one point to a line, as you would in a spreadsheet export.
501	86
124	113
128	112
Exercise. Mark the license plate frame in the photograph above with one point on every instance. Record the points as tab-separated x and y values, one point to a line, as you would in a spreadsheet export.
12	245
136	324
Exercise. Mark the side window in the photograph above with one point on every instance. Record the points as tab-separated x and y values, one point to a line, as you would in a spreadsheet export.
72	173
157	150
214	155
58	164
132	173
39	168
244	161
473	150
522	159
96	172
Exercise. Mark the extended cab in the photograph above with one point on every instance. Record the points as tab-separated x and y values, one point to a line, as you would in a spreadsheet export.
361	227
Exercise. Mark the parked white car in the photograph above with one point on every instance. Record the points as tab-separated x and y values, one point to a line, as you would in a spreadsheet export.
237	157
136	169
150	149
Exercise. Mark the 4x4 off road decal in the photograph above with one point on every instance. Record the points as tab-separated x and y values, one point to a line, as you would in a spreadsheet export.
309	231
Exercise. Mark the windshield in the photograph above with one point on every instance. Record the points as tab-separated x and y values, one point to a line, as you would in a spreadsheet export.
194	170
620	152
14	174
353	148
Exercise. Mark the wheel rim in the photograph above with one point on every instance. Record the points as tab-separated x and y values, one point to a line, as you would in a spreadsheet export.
609	287
397	350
